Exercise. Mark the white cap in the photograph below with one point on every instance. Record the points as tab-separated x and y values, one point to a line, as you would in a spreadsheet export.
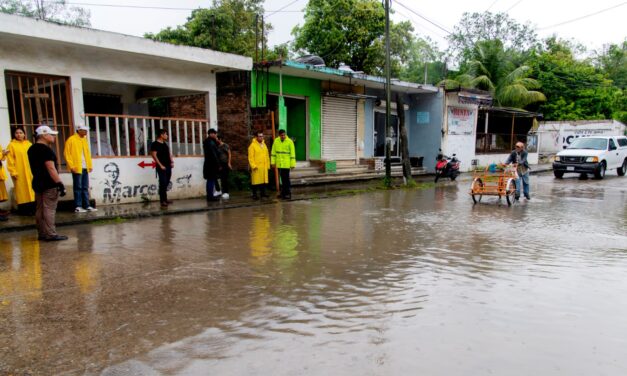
44	129
82	127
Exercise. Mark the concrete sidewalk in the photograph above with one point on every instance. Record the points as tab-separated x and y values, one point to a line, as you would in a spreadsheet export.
237	200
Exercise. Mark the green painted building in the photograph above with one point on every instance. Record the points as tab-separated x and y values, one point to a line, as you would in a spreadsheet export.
298	109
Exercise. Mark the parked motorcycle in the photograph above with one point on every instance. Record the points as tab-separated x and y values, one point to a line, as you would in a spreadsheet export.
446	167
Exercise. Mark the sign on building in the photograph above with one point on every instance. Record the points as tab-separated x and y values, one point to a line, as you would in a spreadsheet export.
461	120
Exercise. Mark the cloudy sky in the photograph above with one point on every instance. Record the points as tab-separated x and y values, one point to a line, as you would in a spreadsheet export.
592	23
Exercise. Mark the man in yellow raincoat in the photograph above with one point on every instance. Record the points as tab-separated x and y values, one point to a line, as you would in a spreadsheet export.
78	160
284	157
259	160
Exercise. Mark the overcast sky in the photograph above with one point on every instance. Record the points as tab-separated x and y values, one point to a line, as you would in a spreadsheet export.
592	23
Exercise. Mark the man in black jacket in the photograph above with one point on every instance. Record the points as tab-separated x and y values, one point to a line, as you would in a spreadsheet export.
46	182
211	167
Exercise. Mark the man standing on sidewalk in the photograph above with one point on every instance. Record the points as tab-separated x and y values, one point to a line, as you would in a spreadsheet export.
259	162
284	157
160	152
211	167
46	182
78	159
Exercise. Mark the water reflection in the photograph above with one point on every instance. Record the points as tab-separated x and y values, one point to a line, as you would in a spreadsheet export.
394	282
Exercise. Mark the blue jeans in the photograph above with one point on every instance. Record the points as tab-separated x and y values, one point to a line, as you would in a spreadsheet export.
81	189
164	180
211	183
523	180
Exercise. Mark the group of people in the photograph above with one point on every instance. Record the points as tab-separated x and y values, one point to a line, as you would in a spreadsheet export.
217	165
35	173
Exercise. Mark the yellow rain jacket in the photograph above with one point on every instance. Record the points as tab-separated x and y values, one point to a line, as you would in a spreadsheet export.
259	161
19	169
3	176
75	146
283	153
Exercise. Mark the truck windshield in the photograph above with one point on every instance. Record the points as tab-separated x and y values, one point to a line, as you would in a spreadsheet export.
589	143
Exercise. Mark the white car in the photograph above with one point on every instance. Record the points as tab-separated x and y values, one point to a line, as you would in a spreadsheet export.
593	155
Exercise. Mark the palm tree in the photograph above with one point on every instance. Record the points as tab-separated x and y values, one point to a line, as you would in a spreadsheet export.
493	69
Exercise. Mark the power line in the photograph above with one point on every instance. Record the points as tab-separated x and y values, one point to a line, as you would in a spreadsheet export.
491	5
162	8
582	17
423	17
510	8
280	9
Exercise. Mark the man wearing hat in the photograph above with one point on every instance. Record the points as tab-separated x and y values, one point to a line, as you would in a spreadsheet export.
47	183
78	159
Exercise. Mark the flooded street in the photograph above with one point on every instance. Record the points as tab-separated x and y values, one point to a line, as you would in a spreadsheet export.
385	283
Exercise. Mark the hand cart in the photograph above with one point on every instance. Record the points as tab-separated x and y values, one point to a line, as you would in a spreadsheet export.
494	181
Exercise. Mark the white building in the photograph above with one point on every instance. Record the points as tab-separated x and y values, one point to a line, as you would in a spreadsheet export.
64	76
553	136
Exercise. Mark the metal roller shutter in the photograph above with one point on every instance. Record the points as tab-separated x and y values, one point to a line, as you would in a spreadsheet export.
339	128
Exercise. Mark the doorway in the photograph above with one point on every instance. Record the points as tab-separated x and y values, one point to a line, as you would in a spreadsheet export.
379	135
297	130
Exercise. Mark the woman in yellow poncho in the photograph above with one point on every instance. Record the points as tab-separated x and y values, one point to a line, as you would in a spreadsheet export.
3	188
259	160
19	169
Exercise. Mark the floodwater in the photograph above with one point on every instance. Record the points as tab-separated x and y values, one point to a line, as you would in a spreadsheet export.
405	282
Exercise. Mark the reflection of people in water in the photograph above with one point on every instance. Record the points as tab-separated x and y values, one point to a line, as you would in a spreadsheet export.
260	238
113	187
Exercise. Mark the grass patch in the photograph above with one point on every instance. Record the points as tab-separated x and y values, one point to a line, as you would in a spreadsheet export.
109	221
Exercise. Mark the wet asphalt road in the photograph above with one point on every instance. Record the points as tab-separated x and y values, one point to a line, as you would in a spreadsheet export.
384	283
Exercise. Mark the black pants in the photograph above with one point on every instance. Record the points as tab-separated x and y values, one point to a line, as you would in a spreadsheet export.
164	181
224	179
259	187
286	186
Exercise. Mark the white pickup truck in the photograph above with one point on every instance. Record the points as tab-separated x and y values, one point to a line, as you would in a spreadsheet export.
592	155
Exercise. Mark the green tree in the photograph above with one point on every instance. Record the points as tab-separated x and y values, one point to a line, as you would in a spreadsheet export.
613	61
575	89
228	26
352	32
56	11
492	68
424	51
476	27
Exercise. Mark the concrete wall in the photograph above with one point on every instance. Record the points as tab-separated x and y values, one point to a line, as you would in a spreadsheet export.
122	180
554	135
425	136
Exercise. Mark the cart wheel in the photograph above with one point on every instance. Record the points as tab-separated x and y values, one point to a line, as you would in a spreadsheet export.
477	186
510	191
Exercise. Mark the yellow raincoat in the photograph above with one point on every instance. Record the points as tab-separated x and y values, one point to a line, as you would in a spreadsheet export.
75	146
259	161
3	176
19	169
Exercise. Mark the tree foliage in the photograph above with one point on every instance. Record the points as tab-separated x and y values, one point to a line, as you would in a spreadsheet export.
613	61
424	51
228	26
352	32
575	89
476	27
492	68
56	11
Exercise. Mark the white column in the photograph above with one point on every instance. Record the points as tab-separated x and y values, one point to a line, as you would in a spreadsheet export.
78	106
5	127
212	105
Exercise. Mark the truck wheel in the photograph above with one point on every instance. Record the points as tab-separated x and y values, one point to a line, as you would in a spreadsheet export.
600	173
558	174
622	169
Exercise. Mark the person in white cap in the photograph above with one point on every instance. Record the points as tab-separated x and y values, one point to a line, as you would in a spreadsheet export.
47	183
78	159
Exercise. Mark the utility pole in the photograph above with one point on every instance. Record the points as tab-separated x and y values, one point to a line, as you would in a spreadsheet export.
388	96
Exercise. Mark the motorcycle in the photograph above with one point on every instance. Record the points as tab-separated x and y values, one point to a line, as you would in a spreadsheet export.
446	167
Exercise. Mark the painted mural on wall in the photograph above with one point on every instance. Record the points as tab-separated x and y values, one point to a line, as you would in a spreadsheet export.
126	180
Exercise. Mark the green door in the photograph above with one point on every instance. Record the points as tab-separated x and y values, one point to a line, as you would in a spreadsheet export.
297	125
